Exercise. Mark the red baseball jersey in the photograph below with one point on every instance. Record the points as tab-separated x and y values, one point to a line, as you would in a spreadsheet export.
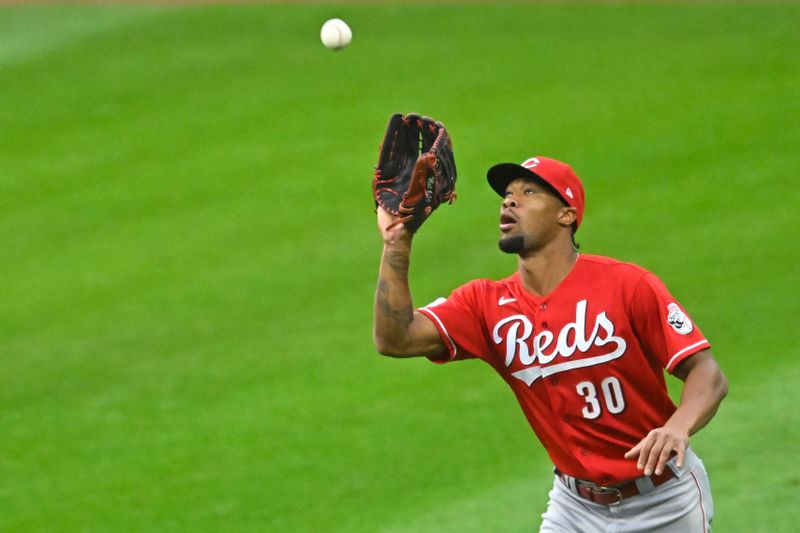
585	361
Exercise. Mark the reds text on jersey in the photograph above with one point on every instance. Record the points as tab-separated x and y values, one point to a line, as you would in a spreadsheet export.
585	361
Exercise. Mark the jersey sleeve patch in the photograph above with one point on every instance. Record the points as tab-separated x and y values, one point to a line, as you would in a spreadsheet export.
678	320
664	328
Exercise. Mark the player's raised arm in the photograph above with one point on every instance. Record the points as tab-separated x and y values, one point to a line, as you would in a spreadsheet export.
416	172
398	330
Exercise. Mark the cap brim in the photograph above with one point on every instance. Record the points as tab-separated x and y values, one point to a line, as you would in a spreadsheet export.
500	175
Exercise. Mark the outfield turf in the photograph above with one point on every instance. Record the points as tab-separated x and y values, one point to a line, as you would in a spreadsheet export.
189	253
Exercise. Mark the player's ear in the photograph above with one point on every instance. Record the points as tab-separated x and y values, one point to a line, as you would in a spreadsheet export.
567	216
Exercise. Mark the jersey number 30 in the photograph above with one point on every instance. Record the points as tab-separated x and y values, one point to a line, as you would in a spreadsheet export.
612	397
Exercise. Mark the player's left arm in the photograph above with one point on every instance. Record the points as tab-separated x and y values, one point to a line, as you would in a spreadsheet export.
704	388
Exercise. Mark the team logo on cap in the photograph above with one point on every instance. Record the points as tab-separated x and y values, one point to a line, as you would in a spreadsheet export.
531	163
678	320
569	193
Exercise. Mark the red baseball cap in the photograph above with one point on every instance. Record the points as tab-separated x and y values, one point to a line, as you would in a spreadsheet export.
556	174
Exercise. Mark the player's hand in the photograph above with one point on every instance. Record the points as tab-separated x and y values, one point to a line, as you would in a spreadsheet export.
394	234
656	449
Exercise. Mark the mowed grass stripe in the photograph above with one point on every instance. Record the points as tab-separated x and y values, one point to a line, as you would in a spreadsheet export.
28	32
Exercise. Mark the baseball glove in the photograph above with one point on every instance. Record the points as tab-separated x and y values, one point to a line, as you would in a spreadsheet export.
416	170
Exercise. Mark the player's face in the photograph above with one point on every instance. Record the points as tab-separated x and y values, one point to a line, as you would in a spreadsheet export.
528	216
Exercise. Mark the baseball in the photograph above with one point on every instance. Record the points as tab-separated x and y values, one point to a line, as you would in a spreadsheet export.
335	34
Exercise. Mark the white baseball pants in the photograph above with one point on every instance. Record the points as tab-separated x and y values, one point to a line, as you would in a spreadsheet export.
681	505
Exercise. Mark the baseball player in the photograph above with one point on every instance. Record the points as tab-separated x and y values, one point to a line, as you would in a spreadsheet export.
582	341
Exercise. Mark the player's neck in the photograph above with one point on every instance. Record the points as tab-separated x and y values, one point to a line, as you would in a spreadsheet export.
541	271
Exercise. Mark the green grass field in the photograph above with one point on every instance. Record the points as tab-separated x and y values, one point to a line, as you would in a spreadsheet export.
189	253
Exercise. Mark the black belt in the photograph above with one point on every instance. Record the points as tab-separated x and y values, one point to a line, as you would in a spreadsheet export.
616	493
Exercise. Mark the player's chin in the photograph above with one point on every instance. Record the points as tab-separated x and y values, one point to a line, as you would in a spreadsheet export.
511	244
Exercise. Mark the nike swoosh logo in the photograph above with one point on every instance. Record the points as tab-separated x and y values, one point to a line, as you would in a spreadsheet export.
503	300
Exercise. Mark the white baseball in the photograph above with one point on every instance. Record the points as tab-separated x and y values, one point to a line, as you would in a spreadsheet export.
335	34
